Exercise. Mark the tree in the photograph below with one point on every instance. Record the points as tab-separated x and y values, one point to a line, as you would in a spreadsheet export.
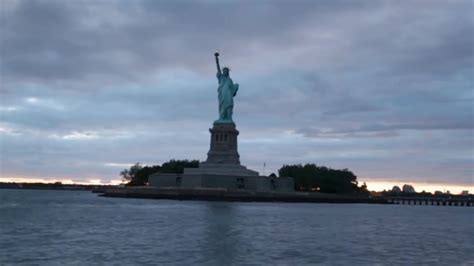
396	190
129	175
134	169
408	189
125	175
310	177
138	175
141	177
177	166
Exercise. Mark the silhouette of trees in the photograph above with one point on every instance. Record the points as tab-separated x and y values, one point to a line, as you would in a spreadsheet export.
396	190
177	166
408	189
138	175
141	177
310	177
125	175
129	175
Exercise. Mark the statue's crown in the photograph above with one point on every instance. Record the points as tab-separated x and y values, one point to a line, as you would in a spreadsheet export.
226	67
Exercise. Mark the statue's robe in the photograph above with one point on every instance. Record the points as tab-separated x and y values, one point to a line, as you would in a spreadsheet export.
226	92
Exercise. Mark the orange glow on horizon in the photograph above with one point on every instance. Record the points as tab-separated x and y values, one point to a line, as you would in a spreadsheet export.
380	185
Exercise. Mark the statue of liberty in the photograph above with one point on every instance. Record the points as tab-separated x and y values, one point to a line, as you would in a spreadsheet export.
227	90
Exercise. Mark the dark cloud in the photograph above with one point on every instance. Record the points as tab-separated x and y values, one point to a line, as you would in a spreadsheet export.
382	88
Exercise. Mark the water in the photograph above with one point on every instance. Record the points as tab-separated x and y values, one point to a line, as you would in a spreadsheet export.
76	227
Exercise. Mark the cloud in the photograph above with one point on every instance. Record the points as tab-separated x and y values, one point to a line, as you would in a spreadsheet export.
384	88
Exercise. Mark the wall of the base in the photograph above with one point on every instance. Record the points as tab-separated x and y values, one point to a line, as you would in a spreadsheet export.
253	183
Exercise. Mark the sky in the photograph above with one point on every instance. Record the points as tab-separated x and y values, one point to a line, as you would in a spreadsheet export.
383	88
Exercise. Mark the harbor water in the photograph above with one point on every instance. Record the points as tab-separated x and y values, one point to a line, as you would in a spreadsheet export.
48	227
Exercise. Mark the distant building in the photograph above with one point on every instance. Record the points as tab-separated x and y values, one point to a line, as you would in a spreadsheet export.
408	189
465	193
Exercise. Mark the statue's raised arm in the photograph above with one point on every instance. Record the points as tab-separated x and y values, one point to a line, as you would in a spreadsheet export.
216	54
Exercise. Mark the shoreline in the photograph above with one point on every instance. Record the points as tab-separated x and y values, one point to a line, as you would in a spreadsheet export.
207	194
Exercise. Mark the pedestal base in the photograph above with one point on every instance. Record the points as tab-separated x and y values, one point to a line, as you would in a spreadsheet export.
223	148
221	169
229	182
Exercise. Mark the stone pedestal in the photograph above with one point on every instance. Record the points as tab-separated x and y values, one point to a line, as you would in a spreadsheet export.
223	144
223	156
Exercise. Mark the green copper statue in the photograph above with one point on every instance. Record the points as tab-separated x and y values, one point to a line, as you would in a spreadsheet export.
227	90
